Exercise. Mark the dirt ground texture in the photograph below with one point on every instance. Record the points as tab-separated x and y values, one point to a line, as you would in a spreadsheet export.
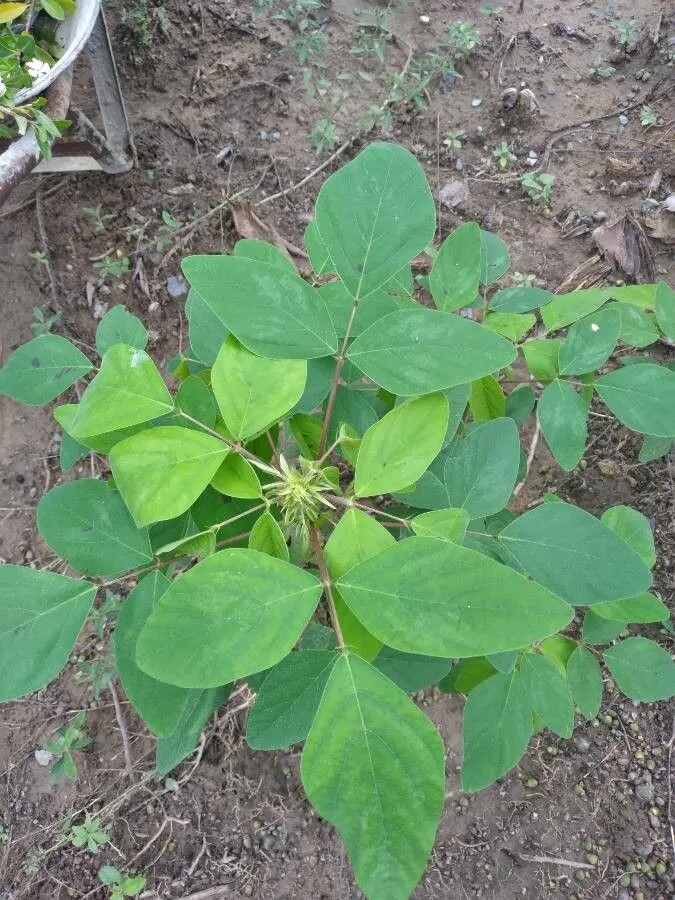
219	107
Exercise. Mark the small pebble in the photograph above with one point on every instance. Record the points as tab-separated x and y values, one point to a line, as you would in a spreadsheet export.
476	102
43	757
599	216
623	120
583	744
176	286
425	20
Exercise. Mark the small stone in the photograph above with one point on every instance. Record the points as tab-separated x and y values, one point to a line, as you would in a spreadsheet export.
623	120
476	102
599	215
654	821
248	890
592	859
313	860
583	745
551	91
531	782
609	467
424	20
453	194
43	757
176	286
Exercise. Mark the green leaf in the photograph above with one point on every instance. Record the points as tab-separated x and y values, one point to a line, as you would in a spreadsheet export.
494	257
564	309
633	528
428	596
53	9
119	326
411	671
253	392
357	408
288	700
370	310
597	630
128	390
549	693
562	416
654	448
159	705
207	332
519	299
235	613
574	555
590	342
458	397
196	400
520	403
643	608
643	670
422	350
374	215
373	766
355	538
466	674
513	326
251	248
66	415
86	523
638	328
585	680
429	492
541	357
161	472
486	400
174	748
504	662
70	451
443	524
201	544
236	477
267	537
642	397
272	312
496	729
481	468
41	615
40	370
317	387
665	309
558	649
400	447
307	431
317	250
455	274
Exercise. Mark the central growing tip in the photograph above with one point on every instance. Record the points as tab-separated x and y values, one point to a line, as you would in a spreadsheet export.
300	494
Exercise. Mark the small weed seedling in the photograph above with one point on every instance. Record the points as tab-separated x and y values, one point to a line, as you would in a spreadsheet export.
89	834
462	39
600	69
324	135
98	217
121	885
523	279
321	506
538	187
295	11
503	156
372	37
309	45
648	116
41	323
113	266
68	738
454	140
626	33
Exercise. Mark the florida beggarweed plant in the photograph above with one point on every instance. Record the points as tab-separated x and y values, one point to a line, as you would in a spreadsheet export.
68	738
319	505
28	50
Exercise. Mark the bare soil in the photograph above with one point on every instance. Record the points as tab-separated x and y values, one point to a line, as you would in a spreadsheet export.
218	108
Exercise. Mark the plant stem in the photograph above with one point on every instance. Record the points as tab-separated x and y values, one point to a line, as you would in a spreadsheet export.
348	502
235	447
328	587
336	377
241	515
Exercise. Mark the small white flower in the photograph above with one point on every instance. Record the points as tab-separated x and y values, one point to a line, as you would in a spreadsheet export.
36	68
595	327
3	87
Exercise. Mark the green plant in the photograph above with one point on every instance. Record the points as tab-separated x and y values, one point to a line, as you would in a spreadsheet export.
648	116
462	39
296	11
309	45
488	9
69	737
89	834
504	156
122	885
372	37
599	69
113	266
454	140
98	216
41	323
523	279
626	32
538	187
321	509
324	135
